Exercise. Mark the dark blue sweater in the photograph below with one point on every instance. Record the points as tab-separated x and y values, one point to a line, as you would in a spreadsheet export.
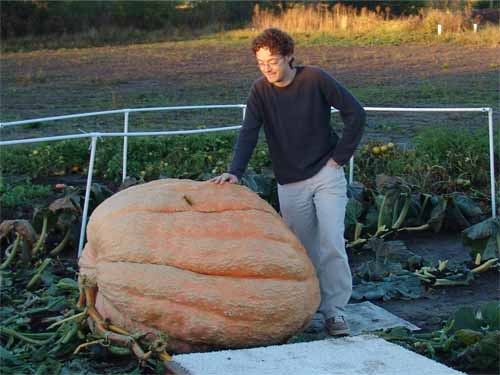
296	121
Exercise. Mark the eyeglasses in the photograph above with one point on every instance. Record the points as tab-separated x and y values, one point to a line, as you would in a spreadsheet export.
273	63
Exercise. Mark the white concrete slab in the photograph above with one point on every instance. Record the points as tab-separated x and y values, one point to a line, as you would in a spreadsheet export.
366	317
359	355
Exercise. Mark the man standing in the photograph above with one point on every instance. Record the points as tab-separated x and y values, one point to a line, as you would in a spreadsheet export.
293	105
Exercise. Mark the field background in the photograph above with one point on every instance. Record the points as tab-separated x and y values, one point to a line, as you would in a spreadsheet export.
70	57
46	83
384	60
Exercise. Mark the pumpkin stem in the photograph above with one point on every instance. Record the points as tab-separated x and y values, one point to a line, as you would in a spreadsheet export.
81	300
188	201
111	333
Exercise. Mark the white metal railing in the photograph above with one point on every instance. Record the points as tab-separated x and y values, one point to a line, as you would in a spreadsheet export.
125	134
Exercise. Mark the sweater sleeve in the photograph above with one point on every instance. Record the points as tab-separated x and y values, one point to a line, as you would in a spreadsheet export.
248	136
352	113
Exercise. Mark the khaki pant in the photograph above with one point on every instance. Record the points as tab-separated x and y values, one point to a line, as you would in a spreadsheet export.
314	209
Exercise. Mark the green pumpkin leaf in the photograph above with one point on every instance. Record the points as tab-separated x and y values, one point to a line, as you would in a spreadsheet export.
468	336
465	318
354	209
439	205
482	355
467	207
491	315
482	230
483	238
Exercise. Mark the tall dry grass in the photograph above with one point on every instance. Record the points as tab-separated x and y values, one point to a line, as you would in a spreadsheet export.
346	22
302	18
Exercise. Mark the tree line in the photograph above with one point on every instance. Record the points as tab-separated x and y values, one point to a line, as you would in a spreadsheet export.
45	17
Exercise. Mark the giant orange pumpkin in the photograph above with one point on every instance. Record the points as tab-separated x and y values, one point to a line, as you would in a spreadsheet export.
211	266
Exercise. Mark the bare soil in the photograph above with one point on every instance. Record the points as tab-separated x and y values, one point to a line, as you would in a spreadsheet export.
430	312
47	83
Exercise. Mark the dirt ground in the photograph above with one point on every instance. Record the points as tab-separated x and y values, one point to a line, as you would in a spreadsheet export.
439	303
47	83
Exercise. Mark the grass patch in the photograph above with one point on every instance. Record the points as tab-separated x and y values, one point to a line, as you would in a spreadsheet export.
384	35
443	91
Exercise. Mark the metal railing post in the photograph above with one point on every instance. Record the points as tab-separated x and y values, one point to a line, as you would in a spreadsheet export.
492	163
87	194
351	170
125	146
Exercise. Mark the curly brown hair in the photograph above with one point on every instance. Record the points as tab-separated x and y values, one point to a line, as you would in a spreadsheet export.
276	40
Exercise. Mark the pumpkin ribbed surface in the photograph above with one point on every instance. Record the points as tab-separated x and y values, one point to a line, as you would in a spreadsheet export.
211	266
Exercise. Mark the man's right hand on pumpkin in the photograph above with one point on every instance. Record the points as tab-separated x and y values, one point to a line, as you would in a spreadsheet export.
223	178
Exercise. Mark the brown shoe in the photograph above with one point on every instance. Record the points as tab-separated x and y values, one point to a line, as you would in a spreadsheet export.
337	326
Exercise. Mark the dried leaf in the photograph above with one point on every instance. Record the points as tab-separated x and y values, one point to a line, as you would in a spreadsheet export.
65	204
23	227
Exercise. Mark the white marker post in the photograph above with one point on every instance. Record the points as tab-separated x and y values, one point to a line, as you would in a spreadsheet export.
440	29
475	27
